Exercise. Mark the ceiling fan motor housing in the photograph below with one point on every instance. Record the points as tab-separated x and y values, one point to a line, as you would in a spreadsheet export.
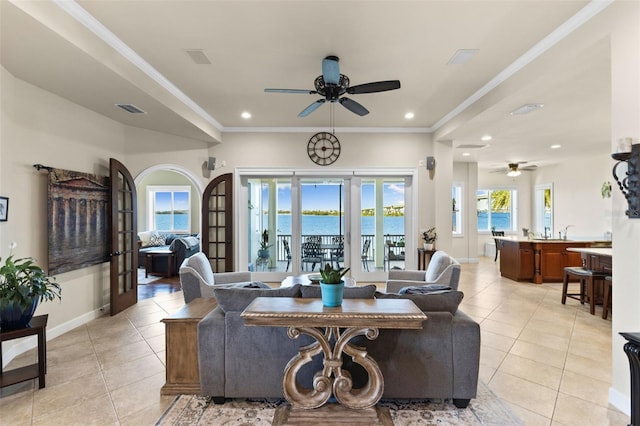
331	92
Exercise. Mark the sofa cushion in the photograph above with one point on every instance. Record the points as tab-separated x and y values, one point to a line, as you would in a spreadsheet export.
363	292
446	301
237	299
438	263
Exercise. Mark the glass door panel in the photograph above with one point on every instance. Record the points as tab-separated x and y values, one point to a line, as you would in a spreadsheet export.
269	213
323	229
382	224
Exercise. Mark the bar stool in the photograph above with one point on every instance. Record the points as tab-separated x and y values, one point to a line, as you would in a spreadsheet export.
587	285
607	296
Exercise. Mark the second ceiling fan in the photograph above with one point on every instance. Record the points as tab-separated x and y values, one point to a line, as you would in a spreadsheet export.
332	86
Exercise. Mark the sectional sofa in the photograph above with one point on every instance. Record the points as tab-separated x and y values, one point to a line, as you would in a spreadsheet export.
439	361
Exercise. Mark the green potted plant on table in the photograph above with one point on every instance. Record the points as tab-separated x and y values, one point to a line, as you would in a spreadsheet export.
332	285
263	251
22	285
429	236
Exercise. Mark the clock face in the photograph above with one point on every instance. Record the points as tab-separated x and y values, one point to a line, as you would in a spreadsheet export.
323	148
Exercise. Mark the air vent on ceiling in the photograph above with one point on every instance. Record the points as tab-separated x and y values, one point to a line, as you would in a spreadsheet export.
130	108
526	109
471	146
462	56
198	56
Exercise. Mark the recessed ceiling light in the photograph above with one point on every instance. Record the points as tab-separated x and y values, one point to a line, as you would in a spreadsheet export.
556	146
246	115
486	138
466	154
409	115
526	109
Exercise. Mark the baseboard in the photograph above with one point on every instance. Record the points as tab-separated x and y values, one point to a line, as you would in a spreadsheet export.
621	401
32	342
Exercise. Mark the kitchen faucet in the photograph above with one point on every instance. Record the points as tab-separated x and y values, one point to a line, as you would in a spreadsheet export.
546	228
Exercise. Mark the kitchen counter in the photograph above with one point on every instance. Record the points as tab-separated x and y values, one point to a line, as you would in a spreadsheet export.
540	260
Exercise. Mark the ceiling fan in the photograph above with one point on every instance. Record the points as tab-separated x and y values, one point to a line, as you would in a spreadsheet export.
514	169
332	86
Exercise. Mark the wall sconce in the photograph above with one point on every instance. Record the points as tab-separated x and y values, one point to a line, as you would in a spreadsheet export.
630	183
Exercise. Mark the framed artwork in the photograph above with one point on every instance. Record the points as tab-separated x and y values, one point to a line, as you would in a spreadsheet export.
4	209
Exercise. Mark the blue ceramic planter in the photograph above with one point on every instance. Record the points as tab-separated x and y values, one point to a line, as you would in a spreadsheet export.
332	294
14	318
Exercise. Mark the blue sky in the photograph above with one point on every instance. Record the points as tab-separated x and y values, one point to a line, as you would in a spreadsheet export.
325	196
163	201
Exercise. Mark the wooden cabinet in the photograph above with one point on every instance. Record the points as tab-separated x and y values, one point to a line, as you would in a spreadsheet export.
537	260
181	343
516	260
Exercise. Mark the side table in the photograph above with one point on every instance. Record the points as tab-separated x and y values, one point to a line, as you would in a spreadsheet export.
37	326
632	349
166	253
181	347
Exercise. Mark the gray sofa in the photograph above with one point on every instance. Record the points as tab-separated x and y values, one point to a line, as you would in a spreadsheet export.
183	246
439	361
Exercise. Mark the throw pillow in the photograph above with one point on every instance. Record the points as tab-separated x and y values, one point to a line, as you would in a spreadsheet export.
144	237
363	292
237	299
446	301
156	240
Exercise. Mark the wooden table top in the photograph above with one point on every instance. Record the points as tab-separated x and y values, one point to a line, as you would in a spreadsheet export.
380	313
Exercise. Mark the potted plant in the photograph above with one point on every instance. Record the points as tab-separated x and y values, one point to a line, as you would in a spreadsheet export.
263	251
22	285
332	285
429	236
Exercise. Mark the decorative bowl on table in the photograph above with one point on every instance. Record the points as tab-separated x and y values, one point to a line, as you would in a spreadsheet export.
315	278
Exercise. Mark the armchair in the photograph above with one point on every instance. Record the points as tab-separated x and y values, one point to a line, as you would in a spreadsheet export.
443	269
198	279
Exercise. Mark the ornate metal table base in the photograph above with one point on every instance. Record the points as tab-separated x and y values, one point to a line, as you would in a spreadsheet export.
332	379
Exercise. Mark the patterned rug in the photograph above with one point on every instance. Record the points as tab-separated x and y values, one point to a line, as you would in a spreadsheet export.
486	409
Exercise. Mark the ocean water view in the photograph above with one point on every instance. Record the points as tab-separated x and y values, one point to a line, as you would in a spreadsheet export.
329	225
180	222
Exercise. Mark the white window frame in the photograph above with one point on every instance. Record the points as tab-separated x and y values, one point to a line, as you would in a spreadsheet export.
151	217
513	210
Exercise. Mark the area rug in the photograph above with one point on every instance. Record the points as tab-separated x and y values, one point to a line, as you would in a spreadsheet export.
485	409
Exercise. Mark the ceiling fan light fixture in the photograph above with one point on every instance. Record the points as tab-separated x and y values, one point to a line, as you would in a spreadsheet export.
526	109
514	173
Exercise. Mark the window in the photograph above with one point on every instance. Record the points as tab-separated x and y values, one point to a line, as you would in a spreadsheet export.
497	209
169	208
456	209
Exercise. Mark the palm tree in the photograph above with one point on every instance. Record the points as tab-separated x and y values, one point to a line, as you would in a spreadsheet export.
500	200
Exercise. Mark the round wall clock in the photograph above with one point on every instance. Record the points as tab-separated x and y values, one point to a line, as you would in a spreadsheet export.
323	148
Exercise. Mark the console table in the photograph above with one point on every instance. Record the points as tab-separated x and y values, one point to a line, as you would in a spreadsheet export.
356	317
181	343
422	258
37	326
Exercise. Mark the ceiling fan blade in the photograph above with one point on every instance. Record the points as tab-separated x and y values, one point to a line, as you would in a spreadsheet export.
378	86
353	106
314	106
331	70
305	91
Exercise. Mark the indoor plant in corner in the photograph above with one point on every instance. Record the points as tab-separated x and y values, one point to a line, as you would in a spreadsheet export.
429	236
332	285
22	285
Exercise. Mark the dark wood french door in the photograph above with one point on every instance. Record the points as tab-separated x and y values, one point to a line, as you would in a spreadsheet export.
124	244
217	223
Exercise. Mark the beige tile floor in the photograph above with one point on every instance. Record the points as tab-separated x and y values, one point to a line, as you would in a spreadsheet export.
550	363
